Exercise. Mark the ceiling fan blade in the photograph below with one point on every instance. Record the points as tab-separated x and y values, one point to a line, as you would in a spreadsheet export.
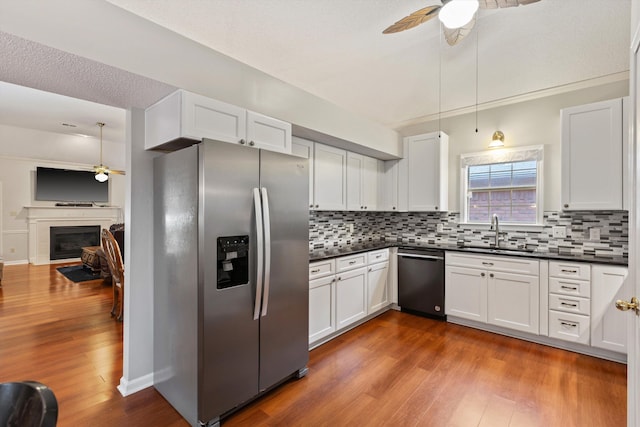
413	20
494	4
115	172
455	35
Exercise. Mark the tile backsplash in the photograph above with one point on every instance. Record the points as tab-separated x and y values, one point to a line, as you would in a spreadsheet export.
342	228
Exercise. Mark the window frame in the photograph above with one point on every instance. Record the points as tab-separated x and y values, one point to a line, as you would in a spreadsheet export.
504	155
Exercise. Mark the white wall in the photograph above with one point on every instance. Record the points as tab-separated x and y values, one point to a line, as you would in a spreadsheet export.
121	39
21	151
534	122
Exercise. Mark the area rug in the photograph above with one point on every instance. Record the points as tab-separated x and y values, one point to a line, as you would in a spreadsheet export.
78	273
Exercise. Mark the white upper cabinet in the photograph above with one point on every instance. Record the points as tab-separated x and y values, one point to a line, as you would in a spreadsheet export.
388	185
423	173
592	156
329	178
304	148
188	115
362	182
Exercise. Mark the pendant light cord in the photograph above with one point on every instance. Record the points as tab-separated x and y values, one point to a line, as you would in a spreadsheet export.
440	80
477	38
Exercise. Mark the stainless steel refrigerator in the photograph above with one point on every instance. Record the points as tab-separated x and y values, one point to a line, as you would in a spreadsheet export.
231	276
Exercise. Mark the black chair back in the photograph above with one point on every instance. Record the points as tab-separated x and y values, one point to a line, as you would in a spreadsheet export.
27	404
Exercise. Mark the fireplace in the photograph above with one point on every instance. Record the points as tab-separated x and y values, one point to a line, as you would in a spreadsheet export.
68	241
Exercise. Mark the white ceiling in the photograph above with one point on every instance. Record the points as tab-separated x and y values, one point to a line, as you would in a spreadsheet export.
335	50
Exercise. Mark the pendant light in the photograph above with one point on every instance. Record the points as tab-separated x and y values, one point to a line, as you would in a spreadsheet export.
101	176
497	140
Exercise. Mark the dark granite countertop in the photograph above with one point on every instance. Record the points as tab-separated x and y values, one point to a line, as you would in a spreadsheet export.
321	254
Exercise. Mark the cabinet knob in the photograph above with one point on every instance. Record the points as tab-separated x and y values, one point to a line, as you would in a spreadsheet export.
491	275
361	207
370	270
566	206
317	206
242	141
251	143
482	274
310	206
339	278
436	208
394	208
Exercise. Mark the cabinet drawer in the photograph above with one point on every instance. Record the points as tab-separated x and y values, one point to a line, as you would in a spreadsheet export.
378	256
569	304
498	263
576	288
351	262
569	326
322	268
570	270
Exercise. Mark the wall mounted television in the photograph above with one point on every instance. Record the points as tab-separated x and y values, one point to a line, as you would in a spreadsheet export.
66	185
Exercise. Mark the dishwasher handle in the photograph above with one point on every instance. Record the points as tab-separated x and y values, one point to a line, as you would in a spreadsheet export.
438	258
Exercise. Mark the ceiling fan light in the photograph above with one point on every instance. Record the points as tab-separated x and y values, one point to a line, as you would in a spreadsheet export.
458	13
101	176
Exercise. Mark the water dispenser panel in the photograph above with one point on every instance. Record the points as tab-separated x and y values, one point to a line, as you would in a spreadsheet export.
233	261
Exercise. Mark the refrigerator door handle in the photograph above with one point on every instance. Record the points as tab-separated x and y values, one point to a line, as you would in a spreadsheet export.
267	249
257	203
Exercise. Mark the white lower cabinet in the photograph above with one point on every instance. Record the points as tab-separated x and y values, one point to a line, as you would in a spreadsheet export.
501	291
351	297
608	324
513	301
570	301
322	318
377	288
466	293
345	290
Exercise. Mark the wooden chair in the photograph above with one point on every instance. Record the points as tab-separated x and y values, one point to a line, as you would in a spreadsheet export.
114	259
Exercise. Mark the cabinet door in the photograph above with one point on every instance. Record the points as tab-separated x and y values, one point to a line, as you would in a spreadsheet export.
388	186
204	117
304	148
513	301
377	286
355	168
268	133
608	325
322	316
425	180
592	164
466	293
370	183
330	178
351	297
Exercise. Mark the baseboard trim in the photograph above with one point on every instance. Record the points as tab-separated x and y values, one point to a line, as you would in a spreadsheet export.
129	387
16	262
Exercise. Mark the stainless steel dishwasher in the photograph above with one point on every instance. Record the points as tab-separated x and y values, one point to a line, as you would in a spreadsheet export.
421	281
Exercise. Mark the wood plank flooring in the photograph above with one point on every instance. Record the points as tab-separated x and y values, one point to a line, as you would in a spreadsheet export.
397	369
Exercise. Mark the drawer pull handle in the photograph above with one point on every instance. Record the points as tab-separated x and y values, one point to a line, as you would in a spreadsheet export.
567	304
378	256
569	271
569	288
352	262
370	270
569	324
315	270
487	263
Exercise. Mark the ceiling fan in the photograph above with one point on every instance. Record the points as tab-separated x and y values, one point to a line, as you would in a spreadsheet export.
457	16
102	171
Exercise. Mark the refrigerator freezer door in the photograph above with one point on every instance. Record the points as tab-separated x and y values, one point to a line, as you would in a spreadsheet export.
284	328
229	358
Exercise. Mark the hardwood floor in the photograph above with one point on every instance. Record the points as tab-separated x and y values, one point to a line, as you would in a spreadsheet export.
397	369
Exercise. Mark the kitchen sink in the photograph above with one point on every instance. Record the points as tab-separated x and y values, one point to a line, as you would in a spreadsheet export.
488	249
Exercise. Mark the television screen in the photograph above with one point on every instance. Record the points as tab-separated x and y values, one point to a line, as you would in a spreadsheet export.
65	185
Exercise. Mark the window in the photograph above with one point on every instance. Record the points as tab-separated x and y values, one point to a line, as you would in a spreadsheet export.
507	183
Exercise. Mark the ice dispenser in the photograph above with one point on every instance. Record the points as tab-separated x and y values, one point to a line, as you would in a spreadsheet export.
233	261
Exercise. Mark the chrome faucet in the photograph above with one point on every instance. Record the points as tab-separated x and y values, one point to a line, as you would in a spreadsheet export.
495	225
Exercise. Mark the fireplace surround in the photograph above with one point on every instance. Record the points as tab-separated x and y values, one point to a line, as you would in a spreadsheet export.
67	241
42	218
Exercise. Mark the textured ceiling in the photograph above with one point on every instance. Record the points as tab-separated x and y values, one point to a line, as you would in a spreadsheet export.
335	49
70	89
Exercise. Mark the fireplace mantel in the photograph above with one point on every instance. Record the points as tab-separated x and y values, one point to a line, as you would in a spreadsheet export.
41	218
